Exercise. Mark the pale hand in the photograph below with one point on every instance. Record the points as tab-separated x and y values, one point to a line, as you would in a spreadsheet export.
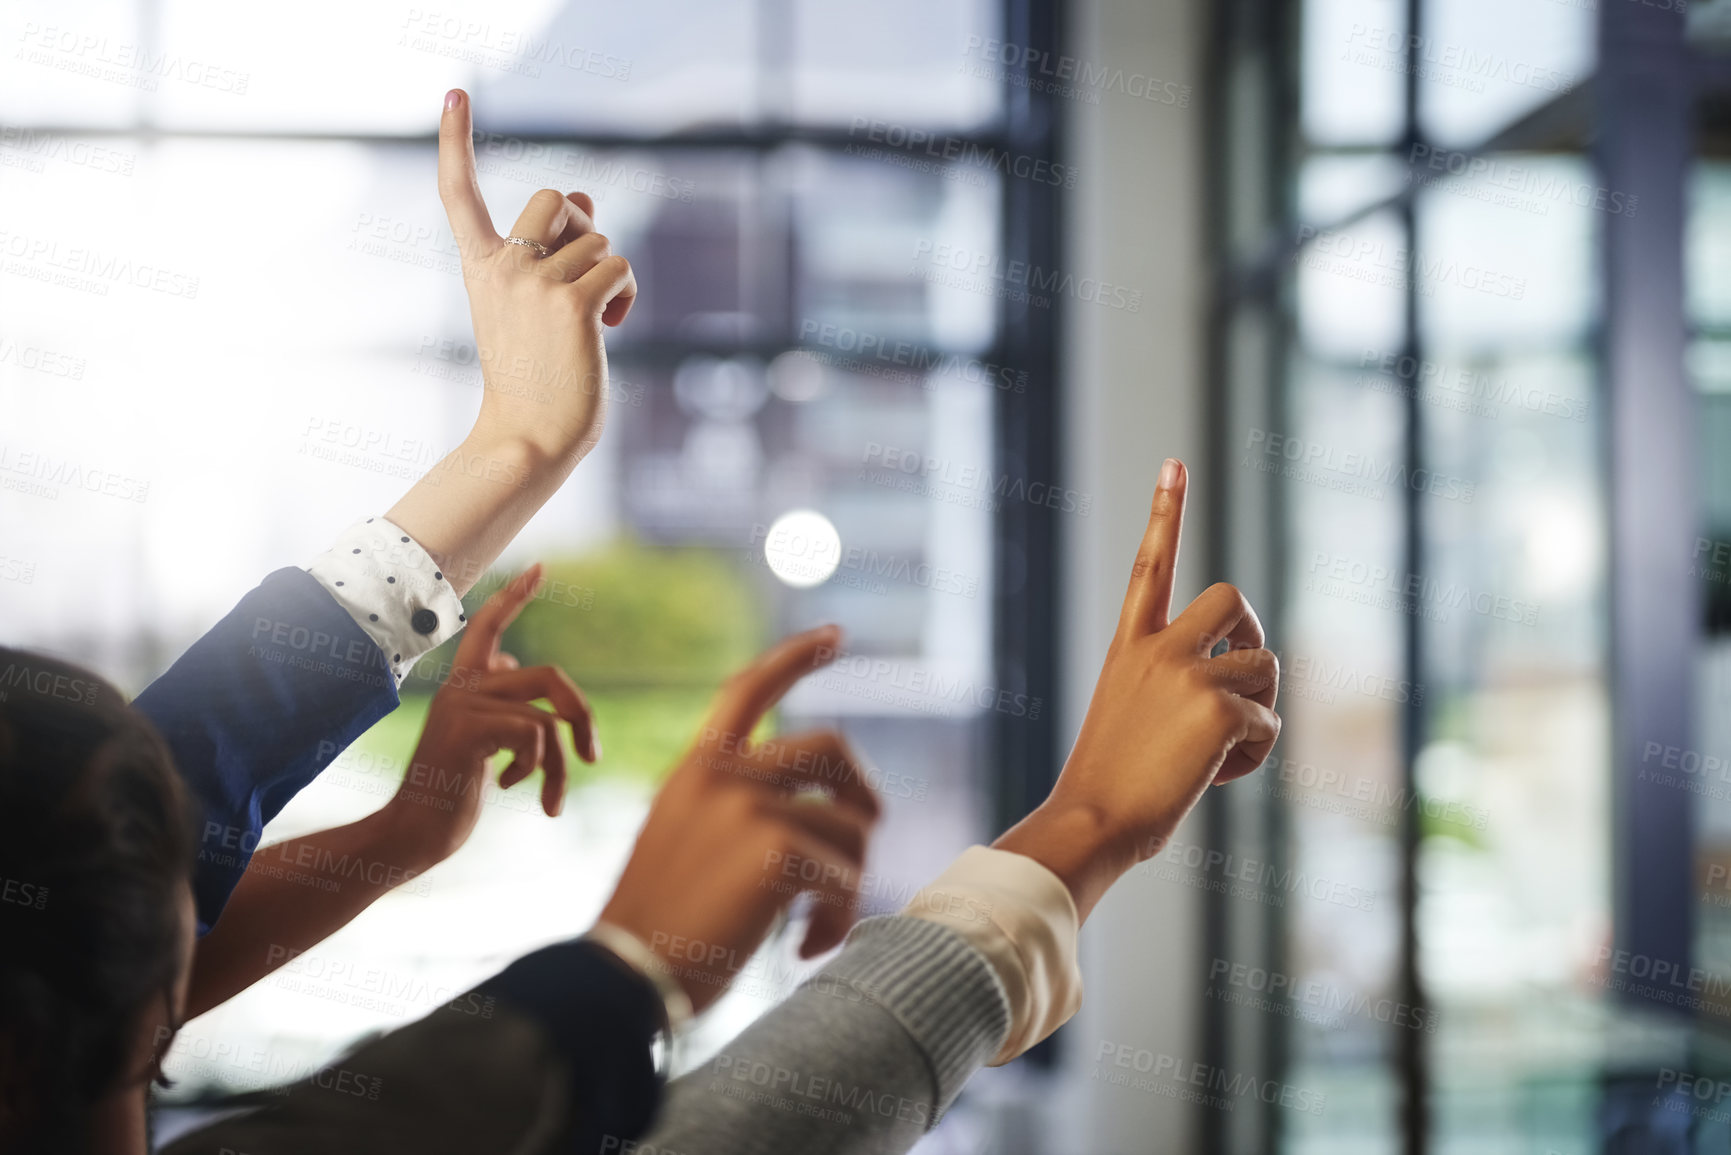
538	320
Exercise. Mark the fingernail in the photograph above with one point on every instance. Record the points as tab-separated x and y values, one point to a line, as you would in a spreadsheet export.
1169	473
453	98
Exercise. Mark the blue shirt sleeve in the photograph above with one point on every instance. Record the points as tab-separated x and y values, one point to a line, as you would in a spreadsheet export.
256	708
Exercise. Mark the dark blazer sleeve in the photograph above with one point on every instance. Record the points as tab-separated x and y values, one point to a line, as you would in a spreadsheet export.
256	708
601	1018
550	1057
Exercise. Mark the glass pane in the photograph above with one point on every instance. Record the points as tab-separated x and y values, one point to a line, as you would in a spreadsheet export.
884	255
1351	287
655	66
903	62
1702	769
1352	85
1514	854
1331	187
1484	64
95	65
1338	773
1508	254
652	67
1707	256
659	66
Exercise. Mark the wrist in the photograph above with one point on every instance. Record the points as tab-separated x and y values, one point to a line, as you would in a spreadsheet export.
398	837
1077	841
470	505
700	986
536	446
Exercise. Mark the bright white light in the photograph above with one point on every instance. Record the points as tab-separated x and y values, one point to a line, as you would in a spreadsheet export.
1564	549
802	548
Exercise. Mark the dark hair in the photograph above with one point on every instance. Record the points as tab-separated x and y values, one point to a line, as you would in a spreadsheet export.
96	846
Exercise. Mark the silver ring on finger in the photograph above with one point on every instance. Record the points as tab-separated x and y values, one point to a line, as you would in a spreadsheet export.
540	249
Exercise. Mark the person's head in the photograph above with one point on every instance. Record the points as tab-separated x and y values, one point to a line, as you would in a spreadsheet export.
97	841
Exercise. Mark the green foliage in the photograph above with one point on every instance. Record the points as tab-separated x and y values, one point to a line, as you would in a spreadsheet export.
393	738
648	633
630	615
643	732
1437	820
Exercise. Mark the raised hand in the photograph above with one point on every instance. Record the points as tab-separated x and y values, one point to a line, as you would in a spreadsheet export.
1167	719
485	707
482	708
711	868
538	319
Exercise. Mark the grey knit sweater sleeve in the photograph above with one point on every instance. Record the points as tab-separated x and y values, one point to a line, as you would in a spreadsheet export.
864	1057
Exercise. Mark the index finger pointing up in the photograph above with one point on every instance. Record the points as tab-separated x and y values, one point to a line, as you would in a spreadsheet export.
754	691
487	628
1148	604
458	188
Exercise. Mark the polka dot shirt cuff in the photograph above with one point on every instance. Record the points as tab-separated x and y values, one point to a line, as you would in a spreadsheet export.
393	589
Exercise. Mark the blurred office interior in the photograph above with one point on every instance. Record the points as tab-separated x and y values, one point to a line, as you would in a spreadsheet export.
1434	297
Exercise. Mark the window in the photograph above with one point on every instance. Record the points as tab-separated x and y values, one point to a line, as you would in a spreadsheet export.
796	184
1412	436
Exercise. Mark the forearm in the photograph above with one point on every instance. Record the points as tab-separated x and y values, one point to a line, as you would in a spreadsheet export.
469	506
294	895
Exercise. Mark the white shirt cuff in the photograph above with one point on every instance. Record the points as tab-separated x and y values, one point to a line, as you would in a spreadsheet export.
393	589
1022	918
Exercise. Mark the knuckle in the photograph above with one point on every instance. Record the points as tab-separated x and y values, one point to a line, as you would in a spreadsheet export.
778	834
547	198
737	689
857	836
736	809
1251	665
1147	564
